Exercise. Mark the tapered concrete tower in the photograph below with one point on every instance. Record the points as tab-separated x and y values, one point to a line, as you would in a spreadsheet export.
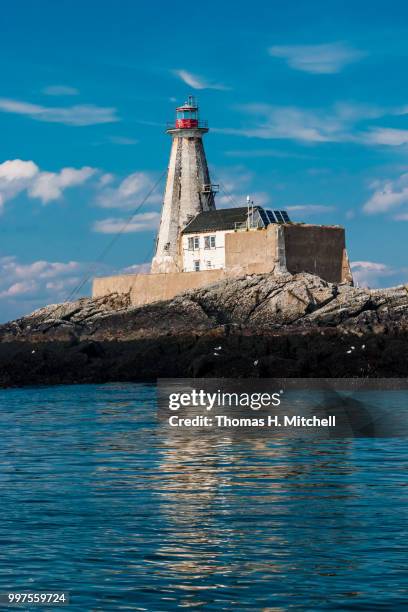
188	189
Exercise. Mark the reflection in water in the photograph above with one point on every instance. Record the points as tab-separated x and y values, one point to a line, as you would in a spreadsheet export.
236	501
99	498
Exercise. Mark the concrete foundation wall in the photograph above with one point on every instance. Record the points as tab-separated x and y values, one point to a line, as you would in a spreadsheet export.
315	249
257	247
276	249
147	288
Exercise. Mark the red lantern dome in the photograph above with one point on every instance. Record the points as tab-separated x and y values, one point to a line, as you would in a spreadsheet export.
187	115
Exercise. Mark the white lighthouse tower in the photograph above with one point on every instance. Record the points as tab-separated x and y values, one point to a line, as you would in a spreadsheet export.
188	188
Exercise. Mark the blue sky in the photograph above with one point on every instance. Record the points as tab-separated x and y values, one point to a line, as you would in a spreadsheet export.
307	104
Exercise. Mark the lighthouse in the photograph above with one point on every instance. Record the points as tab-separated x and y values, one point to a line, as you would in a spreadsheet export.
198	245
188	188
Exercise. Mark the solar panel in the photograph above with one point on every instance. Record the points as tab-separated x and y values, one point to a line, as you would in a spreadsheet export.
263	216
279	216
285	216
270	216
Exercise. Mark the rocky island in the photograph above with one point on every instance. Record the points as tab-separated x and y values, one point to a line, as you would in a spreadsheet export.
254	326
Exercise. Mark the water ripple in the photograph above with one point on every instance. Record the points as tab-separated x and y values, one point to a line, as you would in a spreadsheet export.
98	499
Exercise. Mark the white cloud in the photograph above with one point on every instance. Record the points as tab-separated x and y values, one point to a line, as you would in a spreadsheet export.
49	186
317	59
371	266
310	209
198	82
37	270
60	90
235	184
401	217
17	169
254	153
79	115
122	140
106	179
129	193
26	286
343	122
143	268
140	223
233	199
370	273
387	136
21	288
388	195
17	176
285	122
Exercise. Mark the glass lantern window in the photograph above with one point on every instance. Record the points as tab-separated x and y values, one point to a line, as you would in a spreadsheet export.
187	114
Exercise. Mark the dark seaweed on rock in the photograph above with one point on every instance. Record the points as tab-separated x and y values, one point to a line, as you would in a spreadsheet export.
297	326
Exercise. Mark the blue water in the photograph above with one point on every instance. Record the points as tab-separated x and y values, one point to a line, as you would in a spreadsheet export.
99	499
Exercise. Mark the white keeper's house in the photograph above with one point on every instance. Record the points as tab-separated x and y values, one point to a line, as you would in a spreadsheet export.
203	239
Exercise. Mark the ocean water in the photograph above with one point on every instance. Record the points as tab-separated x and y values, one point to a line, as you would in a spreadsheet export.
100	500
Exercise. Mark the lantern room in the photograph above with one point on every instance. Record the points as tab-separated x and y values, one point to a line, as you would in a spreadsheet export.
187	115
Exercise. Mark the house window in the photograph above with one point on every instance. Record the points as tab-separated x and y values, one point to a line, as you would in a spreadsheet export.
193	243
209	242
209	265
196	266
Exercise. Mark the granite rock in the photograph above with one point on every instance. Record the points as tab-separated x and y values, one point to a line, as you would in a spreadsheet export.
294	325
